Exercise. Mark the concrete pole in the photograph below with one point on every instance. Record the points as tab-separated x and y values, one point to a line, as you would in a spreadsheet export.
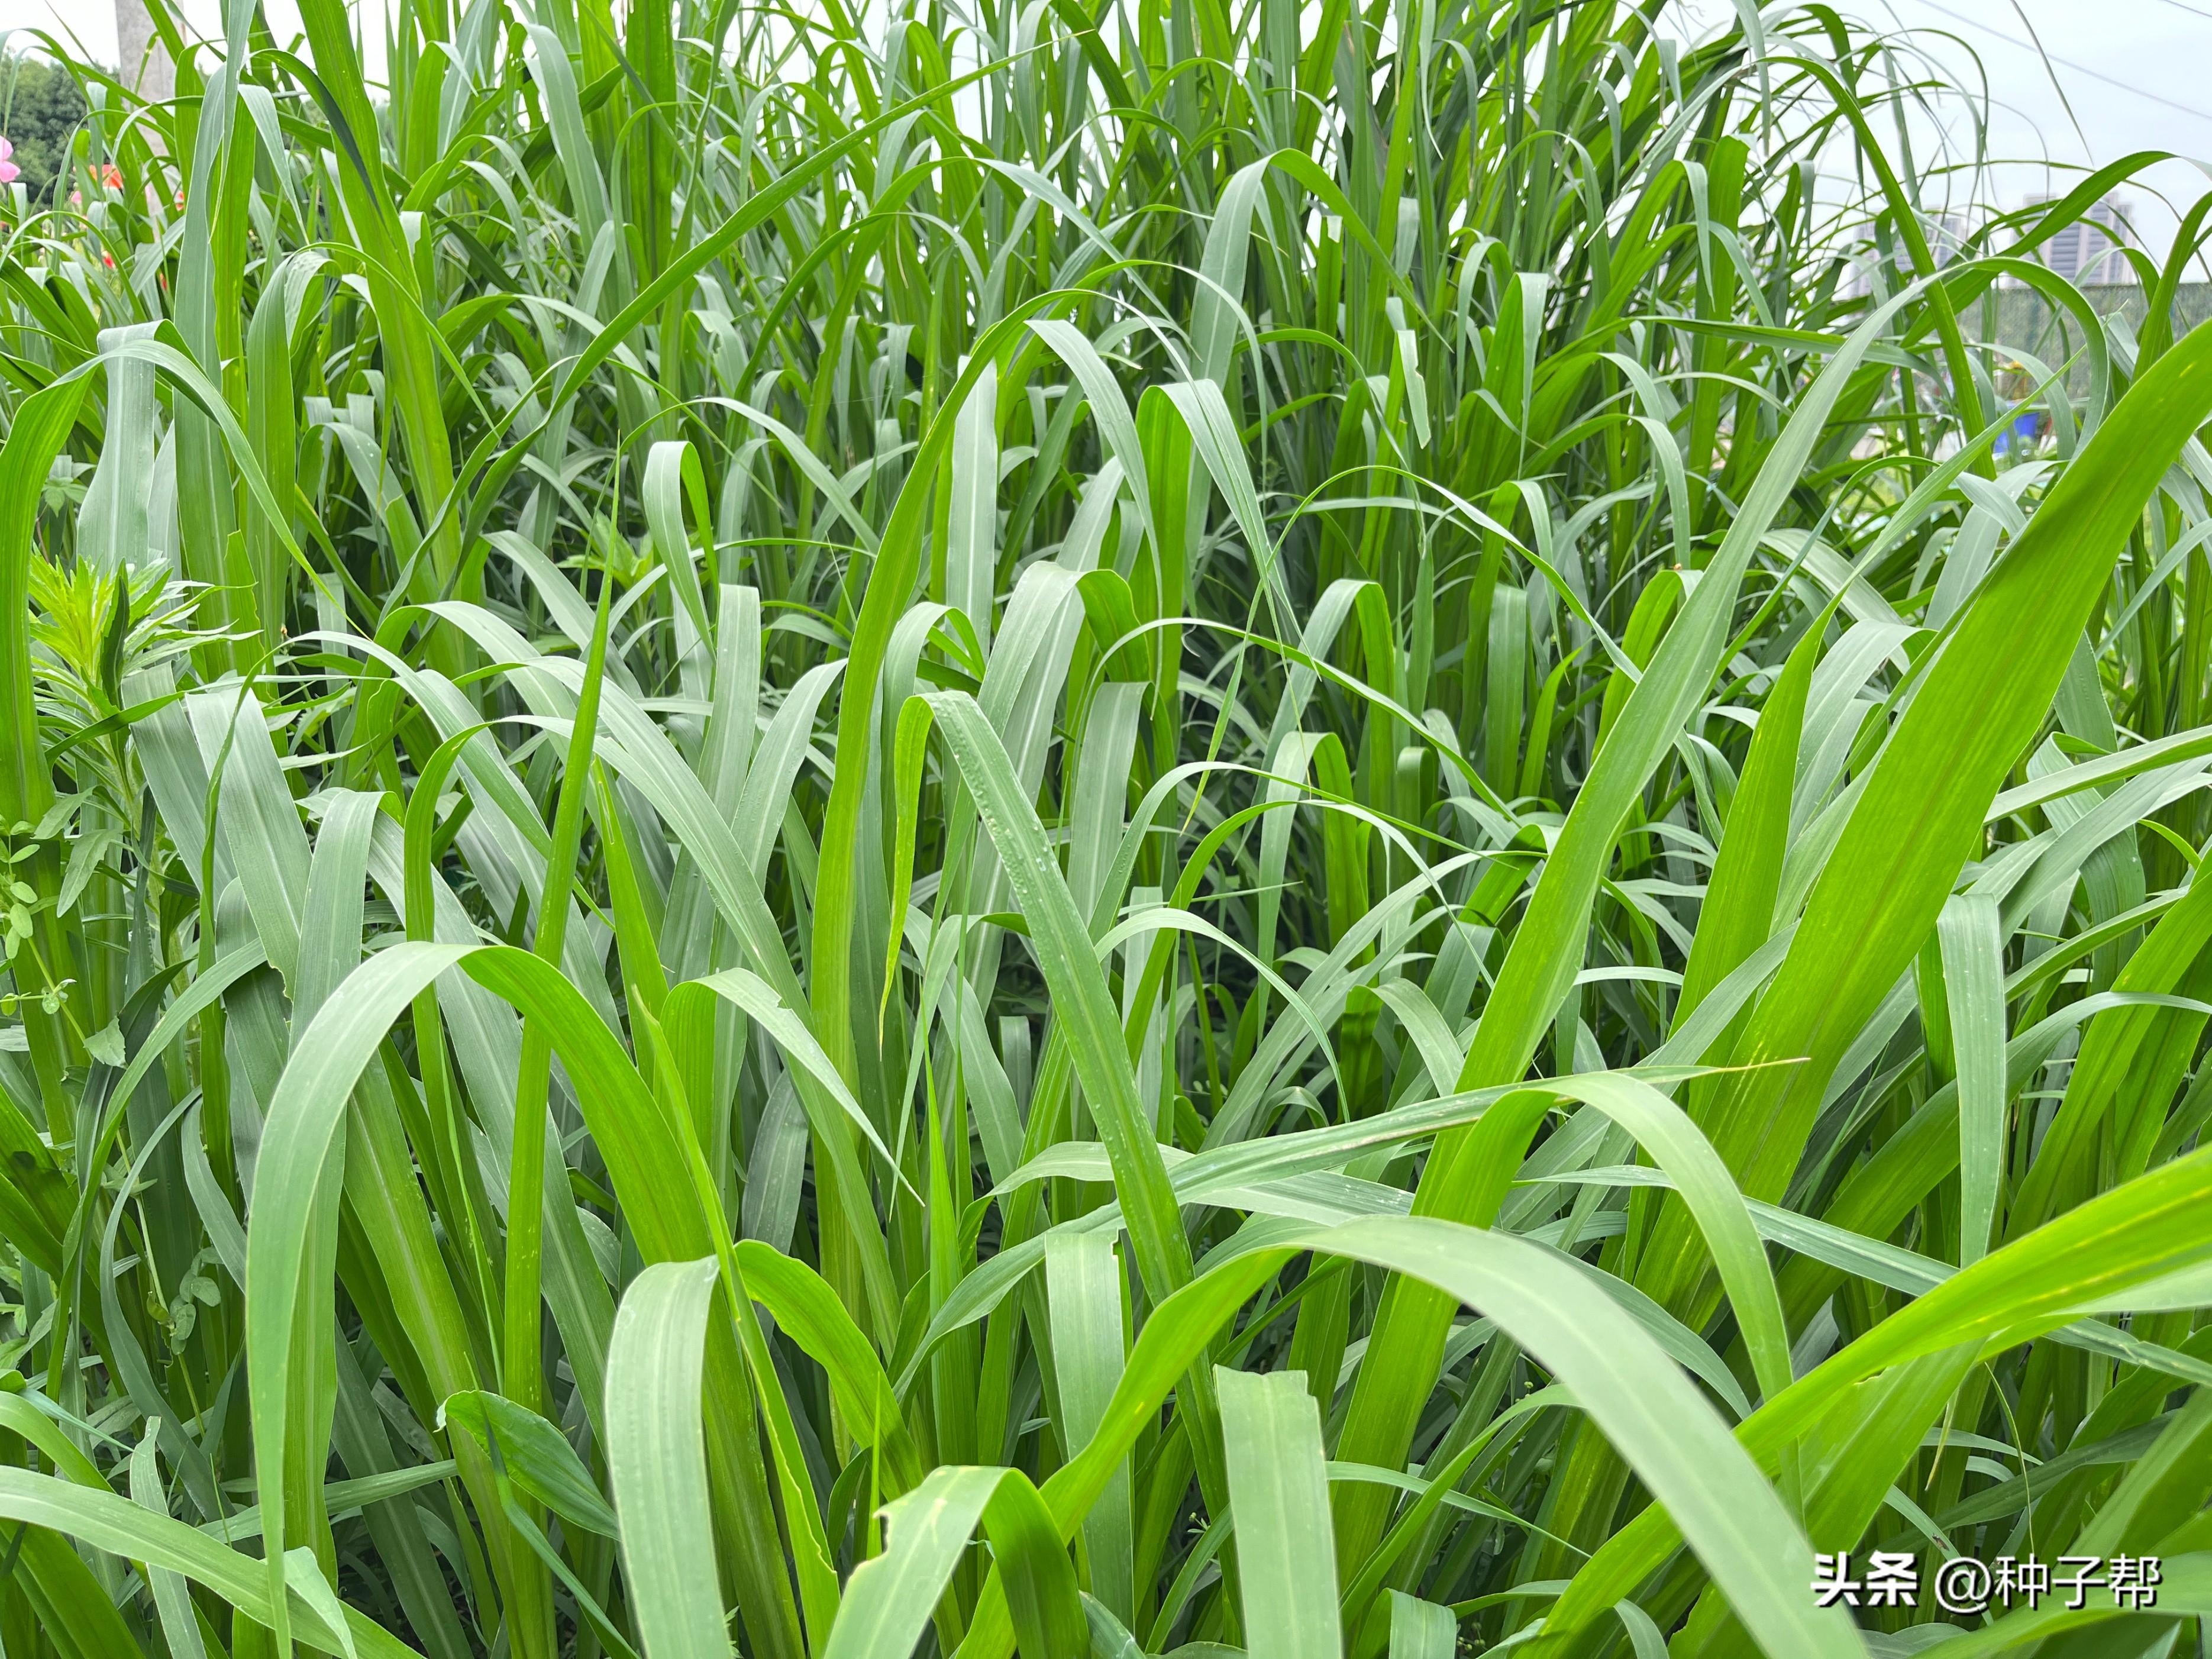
143	63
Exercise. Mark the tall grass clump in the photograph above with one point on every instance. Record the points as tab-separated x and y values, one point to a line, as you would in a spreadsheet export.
1165	829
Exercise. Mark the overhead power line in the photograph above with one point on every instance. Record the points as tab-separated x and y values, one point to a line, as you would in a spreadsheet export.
2194	11
2068	62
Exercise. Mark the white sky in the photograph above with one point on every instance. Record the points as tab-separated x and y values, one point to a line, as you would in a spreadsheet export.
2131	72
2113	78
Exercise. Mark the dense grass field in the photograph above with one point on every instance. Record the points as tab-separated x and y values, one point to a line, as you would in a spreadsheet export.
1176	829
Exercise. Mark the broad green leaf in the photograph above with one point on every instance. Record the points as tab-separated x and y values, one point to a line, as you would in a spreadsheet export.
657	1460
1286	1562
535	1455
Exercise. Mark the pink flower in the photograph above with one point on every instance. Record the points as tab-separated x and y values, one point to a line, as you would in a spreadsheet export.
111	176
9	170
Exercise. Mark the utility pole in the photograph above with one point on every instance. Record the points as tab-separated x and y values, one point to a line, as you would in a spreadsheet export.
142	61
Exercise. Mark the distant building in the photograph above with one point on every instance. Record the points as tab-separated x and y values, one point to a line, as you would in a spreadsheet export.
2088	250
1947	234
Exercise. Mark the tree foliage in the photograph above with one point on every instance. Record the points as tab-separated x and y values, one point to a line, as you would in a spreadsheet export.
42	106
